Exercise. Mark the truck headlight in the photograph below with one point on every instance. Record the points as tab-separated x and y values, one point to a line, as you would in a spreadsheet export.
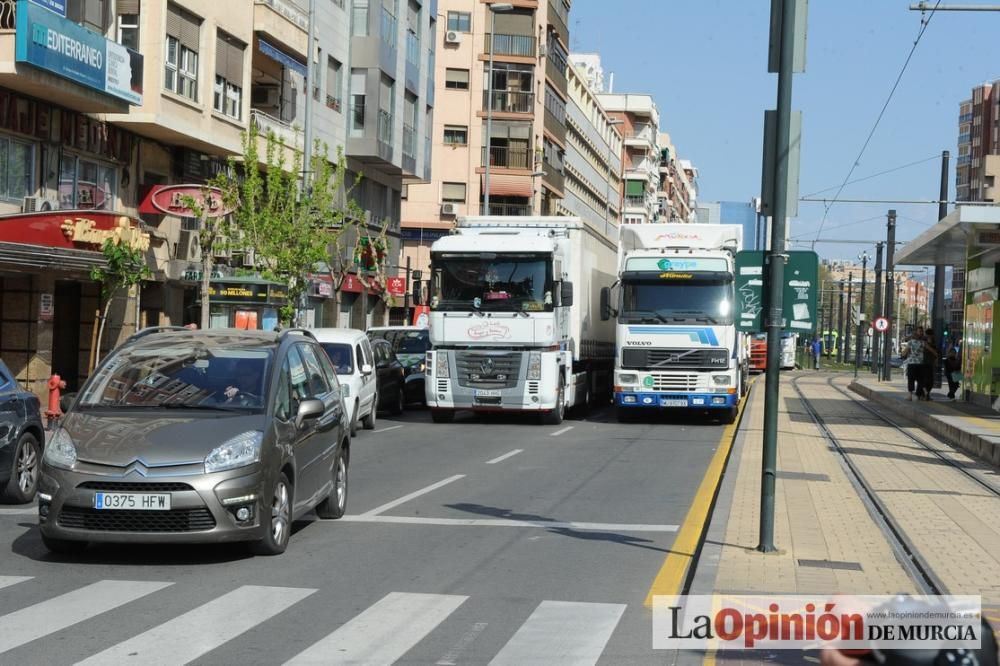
441	369
721	380
534	365
60	451
239	451
628	378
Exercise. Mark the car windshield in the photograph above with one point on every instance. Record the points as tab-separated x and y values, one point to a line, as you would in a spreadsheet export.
496	282
195	375
403	340
706	301
341	355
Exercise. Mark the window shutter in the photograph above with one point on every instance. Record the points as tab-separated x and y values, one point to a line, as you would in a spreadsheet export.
229	58
183	25
173	22
634	188
453	191
516	22
126	7
457	76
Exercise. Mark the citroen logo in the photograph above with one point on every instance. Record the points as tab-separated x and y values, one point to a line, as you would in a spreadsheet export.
487	367
136	468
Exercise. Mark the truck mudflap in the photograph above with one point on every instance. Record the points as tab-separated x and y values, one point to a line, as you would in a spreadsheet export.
676	400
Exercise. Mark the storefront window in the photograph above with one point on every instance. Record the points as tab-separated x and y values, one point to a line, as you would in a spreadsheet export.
16	169
86	184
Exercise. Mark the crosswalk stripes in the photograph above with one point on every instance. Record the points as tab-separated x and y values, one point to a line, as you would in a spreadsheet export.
7	581
562	632
384	632
197	632
47	617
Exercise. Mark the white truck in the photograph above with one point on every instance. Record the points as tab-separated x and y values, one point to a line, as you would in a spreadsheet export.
515	319
676	340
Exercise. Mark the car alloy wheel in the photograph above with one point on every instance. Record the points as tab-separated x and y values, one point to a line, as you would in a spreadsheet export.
280	512
27	468
340	484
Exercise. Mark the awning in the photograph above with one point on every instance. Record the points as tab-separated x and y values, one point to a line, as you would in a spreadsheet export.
947	241
276	54
503	185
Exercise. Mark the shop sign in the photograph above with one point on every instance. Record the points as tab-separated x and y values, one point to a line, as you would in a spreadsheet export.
170	200
243	292
86	231
354	284
277	293
46	307
57	6
396	286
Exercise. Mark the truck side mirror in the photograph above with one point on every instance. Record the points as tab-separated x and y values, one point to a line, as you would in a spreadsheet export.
566	293
605	303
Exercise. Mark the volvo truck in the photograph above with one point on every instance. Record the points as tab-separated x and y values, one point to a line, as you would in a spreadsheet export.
515	321
677	346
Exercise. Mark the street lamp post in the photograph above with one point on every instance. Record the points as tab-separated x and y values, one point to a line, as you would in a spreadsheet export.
495	8
607	200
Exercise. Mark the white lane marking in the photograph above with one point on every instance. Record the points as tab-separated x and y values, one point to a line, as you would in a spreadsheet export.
507	522
7	581
387	429
406	498
449	658
47	617
561	632
384	632
511	454
32	511
199	631
559	432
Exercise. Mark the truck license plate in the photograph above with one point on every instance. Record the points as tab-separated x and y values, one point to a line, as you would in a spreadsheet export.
133	501
487	393
673	403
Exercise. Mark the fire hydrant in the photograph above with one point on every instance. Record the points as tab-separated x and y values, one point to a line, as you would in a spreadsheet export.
56	385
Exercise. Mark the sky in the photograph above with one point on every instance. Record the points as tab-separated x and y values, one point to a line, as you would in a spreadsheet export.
705	63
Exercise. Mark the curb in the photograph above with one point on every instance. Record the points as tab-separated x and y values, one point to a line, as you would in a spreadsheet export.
983	447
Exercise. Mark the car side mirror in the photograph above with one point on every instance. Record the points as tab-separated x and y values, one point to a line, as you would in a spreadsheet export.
566	293
309	410
366	369
605	303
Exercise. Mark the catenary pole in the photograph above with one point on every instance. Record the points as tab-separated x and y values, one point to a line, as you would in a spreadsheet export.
890	278
877	308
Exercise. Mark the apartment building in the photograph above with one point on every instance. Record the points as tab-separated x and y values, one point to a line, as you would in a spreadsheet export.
640	122
674	192
499	132
593	162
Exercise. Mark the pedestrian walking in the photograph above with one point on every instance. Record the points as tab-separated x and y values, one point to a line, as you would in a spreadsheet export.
931	357
817	349
952	372
914	364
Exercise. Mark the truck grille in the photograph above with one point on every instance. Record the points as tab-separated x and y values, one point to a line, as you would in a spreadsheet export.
675	382
681	359
102	520
488	370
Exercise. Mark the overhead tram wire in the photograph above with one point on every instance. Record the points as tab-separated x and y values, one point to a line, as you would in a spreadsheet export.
923	28
874	175
841	226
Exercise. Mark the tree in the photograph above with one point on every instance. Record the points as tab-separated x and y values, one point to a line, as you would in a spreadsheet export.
212	232
125	267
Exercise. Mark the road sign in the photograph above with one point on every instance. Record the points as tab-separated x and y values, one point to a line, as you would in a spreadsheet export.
881	324
800	292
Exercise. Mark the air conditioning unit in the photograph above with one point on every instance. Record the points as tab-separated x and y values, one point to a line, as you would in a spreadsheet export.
220	251
30	204
187	246
449	209
249	259
453	37
266	96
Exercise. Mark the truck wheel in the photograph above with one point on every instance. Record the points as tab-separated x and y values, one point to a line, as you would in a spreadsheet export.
442	415
555	417
729	415
624	414
582	407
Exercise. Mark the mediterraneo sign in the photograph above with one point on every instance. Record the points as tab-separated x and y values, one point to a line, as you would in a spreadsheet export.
48	41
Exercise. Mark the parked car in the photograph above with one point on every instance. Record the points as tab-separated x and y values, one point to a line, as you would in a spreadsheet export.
21	440
391	378
351	353
411	344
198	436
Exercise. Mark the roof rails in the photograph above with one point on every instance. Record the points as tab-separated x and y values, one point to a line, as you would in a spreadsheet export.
301	331
155	329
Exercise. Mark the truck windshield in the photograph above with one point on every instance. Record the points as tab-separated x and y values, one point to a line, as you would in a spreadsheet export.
493	282
659	302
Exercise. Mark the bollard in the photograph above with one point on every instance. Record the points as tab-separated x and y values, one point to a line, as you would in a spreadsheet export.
56	385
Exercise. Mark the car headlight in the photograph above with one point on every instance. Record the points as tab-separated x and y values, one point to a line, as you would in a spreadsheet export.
534	365
60	451
721	380
628	378
239	451
441	369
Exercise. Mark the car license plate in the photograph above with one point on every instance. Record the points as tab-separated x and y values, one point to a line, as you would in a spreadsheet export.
673	403
487	393
133	501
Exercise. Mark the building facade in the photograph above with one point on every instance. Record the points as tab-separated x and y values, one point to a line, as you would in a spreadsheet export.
501	129
674	193
640	123
742	214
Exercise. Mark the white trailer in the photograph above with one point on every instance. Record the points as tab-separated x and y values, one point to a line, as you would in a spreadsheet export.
676	340
515	319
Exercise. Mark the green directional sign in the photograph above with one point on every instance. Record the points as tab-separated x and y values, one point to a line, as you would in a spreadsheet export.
800	292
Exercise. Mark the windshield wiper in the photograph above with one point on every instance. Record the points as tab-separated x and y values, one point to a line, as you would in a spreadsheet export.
697	315
646	316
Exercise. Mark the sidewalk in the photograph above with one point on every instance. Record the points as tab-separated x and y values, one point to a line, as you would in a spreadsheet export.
827	535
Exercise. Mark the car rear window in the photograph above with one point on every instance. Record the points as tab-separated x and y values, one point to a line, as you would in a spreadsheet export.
341	356
414	342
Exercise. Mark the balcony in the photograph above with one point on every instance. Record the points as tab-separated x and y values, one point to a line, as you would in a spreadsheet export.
385	135
636	202
555	123
283	21
503	157
511	45
641	135
287	134
509	102
558	17
518	209
965	118
409	149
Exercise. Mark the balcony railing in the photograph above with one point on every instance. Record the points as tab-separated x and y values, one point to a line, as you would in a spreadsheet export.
965	118
965	138
643	132
384	127
7	14
286	133
507	158
389	23
514	45
357	118
505	209
635	202
288	10
509	102
409	141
